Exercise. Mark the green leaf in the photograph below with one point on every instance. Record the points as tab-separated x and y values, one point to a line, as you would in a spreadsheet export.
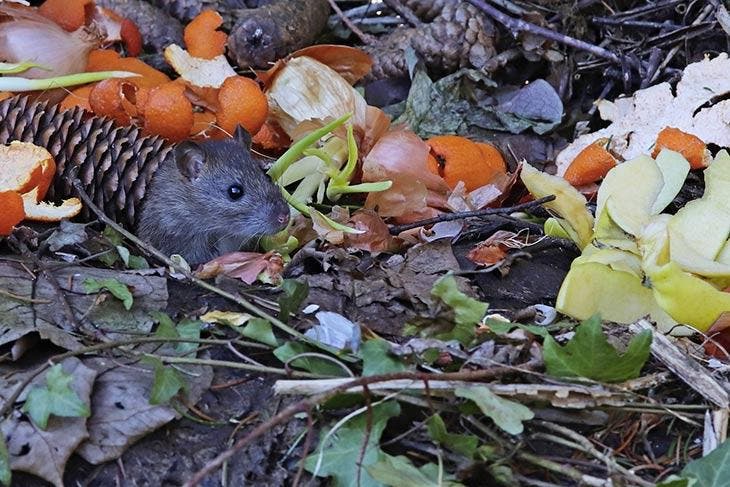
55	398
377	359
400	472
5	472
464	444
166	327
341	451
590	355
508	415
311	364
501	327
167	382
710	471
188	328
117	289
294	293
675	481
260	330
468	311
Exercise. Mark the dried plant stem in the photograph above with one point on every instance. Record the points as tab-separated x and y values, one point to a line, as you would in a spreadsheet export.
447	217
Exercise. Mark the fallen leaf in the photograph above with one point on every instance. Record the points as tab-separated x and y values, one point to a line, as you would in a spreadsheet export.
506	414
588	354
467	310
246	266
399	471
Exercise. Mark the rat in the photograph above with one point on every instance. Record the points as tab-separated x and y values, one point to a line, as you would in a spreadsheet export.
210	198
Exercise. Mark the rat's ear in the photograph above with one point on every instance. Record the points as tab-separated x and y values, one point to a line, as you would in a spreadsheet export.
190	159
242	136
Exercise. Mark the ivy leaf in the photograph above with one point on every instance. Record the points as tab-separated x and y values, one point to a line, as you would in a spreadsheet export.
188	328
165	327
260	330
590	355
710	471
339	455
5	472
377	359
508	415
316	365
55	398
167	382
117	289
464	444
467	310
400	472
294	293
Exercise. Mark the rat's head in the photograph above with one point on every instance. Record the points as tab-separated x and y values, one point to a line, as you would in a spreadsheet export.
227	185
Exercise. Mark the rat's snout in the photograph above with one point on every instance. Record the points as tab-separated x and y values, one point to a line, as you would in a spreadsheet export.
280	214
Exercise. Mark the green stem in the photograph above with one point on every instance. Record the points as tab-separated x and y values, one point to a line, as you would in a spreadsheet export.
16	83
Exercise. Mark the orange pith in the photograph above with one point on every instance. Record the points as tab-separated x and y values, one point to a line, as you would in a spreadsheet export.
690	146
201	37
591	164
241	102
457	159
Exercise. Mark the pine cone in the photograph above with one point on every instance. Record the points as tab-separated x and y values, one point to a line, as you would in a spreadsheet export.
459	36
114	164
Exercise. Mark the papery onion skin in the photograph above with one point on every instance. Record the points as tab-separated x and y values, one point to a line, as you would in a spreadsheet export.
28	36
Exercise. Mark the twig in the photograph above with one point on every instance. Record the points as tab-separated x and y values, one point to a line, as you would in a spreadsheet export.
306	404
364	38
150	250
403	11
396	229
519	25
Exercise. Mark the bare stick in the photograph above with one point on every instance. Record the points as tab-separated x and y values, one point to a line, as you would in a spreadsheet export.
519	25
396	229
364	38
307	404
403	11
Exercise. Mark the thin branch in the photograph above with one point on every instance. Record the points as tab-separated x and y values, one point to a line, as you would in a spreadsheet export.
447	217
306	404
519	25
364	38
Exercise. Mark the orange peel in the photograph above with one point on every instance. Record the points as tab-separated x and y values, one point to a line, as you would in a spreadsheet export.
456	158
202	38
12	211
108	60
591	164
241	102
690	146
167	112
69	14
26	173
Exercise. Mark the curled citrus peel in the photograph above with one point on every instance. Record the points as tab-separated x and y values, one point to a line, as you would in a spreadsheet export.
26	172
690	146
456	158
202	38
69	14
591	164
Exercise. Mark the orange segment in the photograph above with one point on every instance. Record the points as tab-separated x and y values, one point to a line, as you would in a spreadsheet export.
201	37
11	211
69	14
241	102
167	112
108	60
591	164
456	158
690	146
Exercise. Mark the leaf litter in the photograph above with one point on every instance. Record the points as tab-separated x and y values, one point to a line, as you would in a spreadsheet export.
432	348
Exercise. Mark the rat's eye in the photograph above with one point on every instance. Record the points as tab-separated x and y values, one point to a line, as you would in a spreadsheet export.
235	191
